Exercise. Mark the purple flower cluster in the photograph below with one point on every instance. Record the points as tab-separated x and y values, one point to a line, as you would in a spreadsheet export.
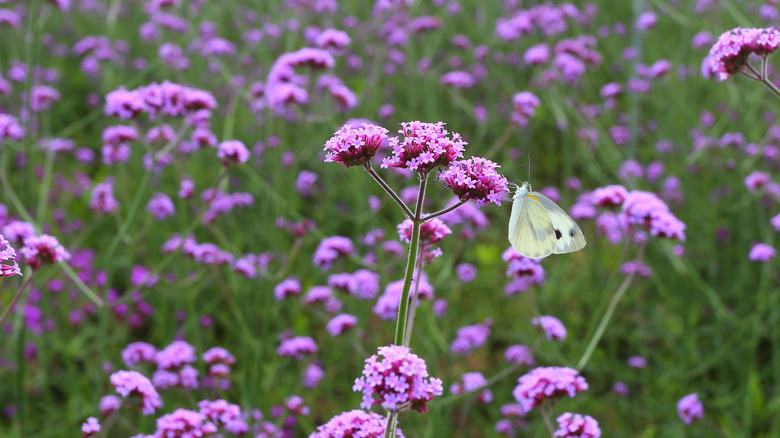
183	423
138	352
168	99
475	178
397	381
362	284
386	306
10	128
519	354
225	414
297	347
330	249
471	337
524	106
552	327
523	271
7	253
577	426
128	383
340	324
424	147
472	382
730	53
690	408
174	367
355	146
38	250
540	384
356	423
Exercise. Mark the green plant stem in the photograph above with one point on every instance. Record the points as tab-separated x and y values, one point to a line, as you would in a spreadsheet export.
16	298
414	299
386	188
608	315
403	305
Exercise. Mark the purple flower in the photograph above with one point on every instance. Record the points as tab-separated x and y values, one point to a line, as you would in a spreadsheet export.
471	337
355	146
43	249
304	182
525	272
635	267
108	404
647	211
542	383
341	323
552	327
42	97
333	39
458	79
10	128
102	199
175	355
288	287
424	147
331	248
161	206
761	252
690	408
218	355
620	134
431	232
730	53
296	347
519	355
620	388
537	55
138	352
386	306
7	253
232	152
183	423
630	169
645	21
477	179
356	423
90	427
471	382
220	412
129	383
577	426
757	180
637	362
524	106
399	380
313	375
362	284
466	272
609	196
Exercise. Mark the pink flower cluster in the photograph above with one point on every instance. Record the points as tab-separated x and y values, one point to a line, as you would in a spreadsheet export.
399	380
540	384
168	99
174	367
730	53
552	327
43	249
471	337
354	423
524	272
424	147
577	426
129	383
355	146
7	253
477	179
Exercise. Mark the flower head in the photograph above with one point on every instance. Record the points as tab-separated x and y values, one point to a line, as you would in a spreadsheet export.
477	179
90	427
690	408
43	248
424	147
355	423
129	383
577	426
355	146
183	423
471	337
542	383
399	380
7	253
471	382
761	252
730	53
232	152
552	327
296	347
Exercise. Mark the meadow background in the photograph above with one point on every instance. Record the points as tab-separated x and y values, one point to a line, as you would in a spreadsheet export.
705	318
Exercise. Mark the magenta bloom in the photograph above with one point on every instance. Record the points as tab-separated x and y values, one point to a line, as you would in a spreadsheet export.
577	426
609	196
637	362
471	382
220	412
175	355
647	211
354	146
757	180
44	248
183	423
138	352
635	267
331	248
129	383
296	347
690	408
399	380
431	232
524	107
7	253
458	79
102	200
288	287
313	375
539	384
42	97
340	324
232	152
355	423
90	427
424	147
730	53
471	337
761	252
477	179
519	354
161	206
10	128
218	355
552	327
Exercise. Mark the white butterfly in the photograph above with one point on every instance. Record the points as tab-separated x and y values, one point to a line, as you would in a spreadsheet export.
538	227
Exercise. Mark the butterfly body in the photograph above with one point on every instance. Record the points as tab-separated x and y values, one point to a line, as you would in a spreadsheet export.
538	227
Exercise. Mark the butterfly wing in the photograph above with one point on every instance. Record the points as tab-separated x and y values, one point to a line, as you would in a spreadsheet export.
568	235
531	230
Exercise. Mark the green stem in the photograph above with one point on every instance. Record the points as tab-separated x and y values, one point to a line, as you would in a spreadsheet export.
608	315
386	188
16	298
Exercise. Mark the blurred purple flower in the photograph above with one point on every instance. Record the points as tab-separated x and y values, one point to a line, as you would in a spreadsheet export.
129	383
539	384
577	426
690	408
552	327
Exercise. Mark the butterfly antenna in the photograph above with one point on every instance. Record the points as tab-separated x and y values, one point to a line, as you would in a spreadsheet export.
529	166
